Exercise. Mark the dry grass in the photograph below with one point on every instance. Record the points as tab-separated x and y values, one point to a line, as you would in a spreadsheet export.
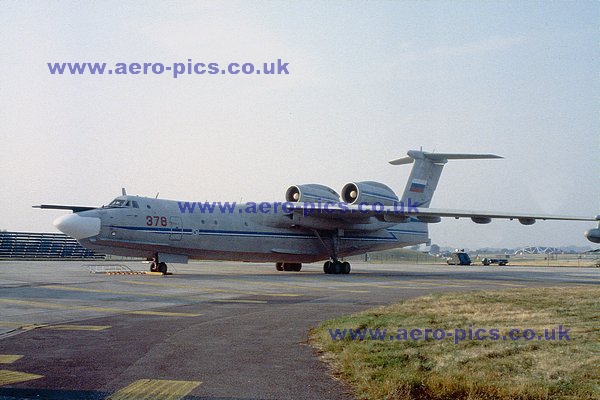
474	369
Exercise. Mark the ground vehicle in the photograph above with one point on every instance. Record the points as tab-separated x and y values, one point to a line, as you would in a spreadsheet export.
499	261
459	258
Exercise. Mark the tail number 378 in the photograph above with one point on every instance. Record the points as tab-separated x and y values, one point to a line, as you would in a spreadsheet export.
156	221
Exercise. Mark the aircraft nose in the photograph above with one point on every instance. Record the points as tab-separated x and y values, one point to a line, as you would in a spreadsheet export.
78	227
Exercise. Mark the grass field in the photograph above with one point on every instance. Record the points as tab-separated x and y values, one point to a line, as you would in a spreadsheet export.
472	369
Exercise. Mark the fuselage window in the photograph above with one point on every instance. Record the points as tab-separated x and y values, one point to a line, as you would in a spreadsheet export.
135	204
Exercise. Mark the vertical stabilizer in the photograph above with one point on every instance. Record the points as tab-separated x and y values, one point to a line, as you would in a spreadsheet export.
426	172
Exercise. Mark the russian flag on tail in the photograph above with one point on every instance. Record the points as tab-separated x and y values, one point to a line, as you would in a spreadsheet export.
418	185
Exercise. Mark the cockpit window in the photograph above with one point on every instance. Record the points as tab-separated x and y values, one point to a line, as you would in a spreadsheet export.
123	203
117	203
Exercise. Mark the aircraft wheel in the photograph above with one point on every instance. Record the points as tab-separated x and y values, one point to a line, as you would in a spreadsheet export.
327	267
153	266
279	266
162	267
345	267
337	267
297	267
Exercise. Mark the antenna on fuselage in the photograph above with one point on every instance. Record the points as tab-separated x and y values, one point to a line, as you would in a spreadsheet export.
123	192
157	193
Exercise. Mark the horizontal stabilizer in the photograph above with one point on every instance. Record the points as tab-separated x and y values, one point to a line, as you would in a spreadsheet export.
60	207
439	157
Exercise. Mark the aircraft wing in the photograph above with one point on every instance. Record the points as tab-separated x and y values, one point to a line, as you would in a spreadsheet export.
429	215
61	207
447	213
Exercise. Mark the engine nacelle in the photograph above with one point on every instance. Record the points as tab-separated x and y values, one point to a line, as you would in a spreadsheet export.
429	219
593	235
368	192
481	220
527	221
311	193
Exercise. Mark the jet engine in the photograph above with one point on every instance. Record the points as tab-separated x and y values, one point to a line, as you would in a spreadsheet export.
368	192
311	193
593	235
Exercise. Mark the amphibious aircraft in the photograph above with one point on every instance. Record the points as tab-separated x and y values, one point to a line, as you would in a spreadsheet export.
314	223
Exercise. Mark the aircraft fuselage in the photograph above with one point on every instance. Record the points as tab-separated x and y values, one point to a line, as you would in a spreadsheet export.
157	225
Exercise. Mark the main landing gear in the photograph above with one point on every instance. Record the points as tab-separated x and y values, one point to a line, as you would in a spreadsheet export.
336	267
296	267
333	266
158	266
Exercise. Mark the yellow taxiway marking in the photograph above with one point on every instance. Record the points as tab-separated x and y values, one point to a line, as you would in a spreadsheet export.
9	358
408	281
66	327
75	289
233	291
19	324
288	285
124	292
240	301
77	327
388	284
9	377
428	283
41	304
24	326
390	281
150	389
490	282
450	282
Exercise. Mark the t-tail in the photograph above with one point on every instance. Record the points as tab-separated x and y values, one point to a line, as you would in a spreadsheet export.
426	173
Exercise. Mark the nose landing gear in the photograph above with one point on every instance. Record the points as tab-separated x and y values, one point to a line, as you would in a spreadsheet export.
158	266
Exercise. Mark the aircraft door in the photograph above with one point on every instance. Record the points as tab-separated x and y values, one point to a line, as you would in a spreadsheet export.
176	228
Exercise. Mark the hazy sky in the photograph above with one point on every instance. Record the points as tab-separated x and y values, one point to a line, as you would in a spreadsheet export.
368	81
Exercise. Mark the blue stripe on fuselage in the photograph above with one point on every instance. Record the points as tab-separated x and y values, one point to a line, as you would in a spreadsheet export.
199	232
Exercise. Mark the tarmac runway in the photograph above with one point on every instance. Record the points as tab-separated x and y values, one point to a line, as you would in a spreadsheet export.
212	330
